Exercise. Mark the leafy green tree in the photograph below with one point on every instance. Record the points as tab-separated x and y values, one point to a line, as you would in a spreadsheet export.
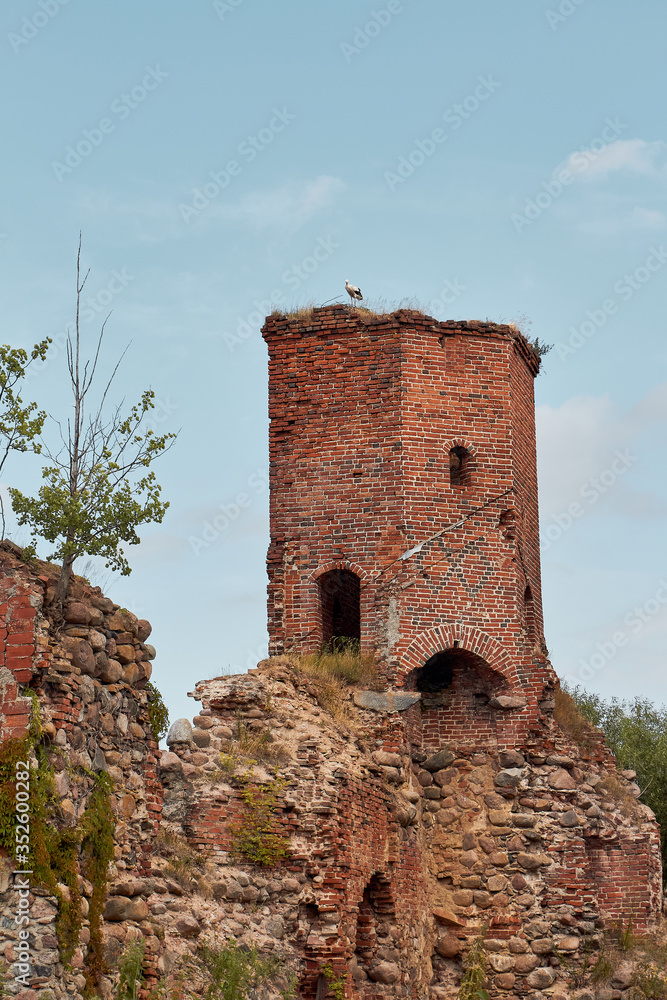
20	423
636	731
98	486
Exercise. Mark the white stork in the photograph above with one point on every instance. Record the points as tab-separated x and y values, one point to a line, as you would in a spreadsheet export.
353	291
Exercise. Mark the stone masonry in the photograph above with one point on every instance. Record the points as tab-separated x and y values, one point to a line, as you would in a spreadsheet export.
438	805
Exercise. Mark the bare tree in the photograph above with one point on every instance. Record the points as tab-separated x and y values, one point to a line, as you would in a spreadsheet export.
97	488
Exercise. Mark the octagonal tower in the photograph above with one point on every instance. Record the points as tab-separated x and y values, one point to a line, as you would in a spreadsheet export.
404	509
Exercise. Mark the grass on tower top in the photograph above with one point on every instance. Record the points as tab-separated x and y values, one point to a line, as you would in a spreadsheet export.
373	309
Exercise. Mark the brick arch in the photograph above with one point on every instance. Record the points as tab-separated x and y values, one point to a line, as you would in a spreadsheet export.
352	567
459	442
452	636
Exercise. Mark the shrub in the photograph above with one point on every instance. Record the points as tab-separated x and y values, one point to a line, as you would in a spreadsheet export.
474	971
185	863
158	716
226	972
129	966
636	731
255	836
571	720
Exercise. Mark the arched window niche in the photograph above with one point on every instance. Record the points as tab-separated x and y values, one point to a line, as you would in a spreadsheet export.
459	467
340	607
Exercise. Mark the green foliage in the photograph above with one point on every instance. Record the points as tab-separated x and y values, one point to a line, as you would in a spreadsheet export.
474	971
97	827
11	751
102	507
626	938
5	979
53	850
649	981
158	715
130	968
232	970
539	347
20	423
255	836
335	983
636	731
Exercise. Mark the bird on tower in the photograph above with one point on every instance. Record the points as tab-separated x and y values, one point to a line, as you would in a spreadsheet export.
353	291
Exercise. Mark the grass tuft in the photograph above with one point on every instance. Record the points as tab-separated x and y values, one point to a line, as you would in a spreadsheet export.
252	747
618	793
570	719
339	666
186	865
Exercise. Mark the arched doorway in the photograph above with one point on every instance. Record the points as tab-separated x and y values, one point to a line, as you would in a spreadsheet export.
375	916
456	686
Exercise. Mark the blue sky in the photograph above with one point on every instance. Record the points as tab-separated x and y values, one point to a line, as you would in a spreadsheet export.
487	159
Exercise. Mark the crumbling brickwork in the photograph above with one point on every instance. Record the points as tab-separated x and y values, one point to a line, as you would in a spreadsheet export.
399	857
438	807
402	453
88	668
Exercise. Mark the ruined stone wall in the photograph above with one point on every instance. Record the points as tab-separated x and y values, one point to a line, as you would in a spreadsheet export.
88	669
401	848
401	856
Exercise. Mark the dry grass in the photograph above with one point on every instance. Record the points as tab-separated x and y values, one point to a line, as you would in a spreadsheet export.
571	721
375	309
615	790
333	673
304	313
186	865
646	954
252	747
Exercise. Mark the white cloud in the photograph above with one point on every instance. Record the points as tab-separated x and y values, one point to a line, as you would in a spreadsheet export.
635	156
287	207
591	453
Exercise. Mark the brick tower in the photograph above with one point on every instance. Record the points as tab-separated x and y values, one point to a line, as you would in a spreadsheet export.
404	509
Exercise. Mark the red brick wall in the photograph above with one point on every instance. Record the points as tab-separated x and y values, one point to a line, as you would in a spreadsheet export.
364	413
17	651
